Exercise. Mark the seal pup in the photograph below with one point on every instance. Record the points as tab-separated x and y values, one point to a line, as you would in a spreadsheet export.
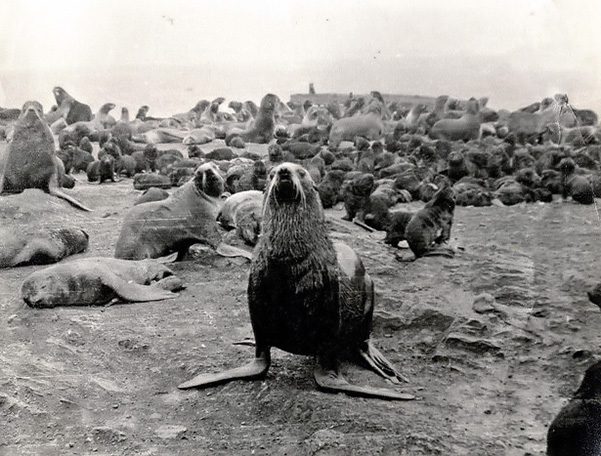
97	281
575	185
307	295
576	430
29	159
431	226
18	248
186	217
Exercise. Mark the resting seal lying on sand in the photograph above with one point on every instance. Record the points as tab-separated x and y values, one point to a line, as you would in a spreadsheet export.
97	281
307	295
18	248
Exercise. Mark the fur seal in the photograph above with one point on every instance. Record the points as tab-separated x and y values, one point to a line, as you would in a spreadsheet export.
78	112
307	295
575	185
367	125
102	170
262	127
152	194
97	281
465	128
18	248
576	430
29	159
243	212
431	226
186	217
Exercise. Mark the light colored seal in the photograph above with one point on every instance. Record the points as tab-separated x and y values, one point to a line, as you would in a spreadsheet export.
465	128
242	211
367	125
186	217
29	160
307	295
20	248
97	281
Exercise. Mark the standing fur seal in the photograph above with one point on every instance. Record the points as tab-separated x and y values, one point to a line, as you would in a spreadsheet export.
97	281
307	295
29	159
431	226
78	112
18	248
187	217
263	126
576	430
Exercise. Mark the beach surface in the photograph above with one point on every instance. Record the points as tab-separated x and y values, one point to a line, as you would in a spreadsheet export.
494	342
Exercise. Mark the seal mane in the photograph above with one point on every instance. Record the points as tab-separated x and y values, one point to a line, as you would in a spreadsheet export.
295	235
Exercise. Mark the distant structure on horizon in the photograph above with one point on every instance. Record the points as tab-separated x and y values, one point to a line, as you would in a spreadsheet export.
325	98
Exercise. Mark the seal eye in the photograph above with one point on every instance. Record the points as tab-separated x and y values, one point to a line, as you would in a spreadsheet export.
301	172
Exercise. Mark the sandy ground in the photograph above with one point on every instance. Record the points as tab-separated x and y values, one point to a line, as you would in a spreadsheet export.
494	341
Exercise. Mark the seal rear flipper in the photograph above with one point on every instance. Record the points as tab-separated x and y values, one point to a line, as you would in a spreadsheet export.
227	250
256	369
56	192
332	381
379	364
131	291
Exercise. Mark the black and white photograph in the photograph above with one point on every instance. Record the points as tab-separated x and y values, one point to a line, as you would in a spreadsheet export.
299	227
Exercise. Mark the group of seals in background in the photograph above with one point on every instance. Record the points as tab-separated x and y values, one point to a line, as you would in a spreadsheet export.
30	159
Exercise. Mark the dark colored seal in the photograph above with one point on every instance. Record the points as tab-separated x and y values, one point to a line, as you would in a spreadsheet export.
30	159
431	226
307	295
576	430
79	112
21	248
263	126
575	185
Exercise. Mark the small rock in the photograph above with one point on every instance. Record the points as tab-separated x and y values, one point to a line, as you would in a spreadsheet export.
483	303
170	431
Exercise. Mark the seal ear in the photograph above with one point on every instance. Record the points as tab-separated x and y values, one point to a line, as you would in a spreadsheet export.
167	259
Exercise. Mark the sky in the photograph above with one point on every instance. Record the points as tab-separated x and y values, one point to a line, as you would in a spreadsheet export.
171	54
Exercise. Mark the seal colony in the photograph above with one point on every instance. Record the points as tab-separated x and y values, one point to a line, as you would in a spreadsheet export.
307	295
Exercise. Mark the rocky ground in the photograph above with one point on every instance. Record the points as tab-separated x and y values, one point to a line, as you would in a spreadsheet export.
494	341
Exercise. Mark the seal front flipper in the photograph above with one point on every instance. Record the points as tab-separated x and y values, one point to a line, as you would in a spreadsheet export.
446	252
331	381
131	291
256	369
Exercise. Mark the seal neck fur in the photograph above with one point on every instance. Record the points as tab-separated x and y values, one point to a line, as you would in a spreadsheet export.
294	233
